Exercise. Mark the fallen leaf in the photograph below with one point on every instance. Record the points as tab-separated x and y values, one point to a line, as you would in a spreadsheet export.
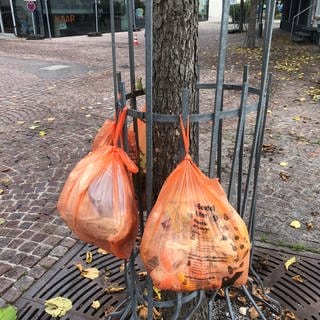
5	182
8	313
296	118
88	115
284	176
114	289
297	278
21	122
289	262
51	119
58	306
142	312
295	224
289	315
109	310
1	191
253	313
42	133
33	127
95	304
88	257
2	221
122	267
309	225
157	292
102	251
283	164
243	311
90	273
142	275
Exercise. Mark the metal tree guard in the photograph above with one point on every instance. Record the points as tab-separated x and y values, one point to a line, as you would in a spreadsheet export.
243	176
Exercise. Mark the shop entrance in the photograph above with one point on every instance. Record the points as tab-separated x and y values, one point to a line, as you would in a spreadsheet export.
6	17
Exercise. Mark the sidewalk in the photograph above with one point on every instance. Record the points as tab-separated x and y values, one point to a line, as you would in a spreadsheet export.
49	117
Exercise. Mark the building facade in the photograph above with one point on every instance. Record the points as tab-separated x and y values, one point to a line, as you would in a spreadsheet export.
58	18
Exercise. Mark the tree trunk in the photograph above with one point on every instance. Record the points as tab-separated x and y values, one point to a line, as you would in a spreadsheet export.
242	16
251	35
175	35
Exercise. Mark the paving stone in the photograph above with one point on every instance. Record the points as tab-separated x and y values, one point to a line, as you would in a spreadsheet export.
4	267
12	295
29	261
59	251
28	247
16	272
68	242
23	283
39	237
5	284
48	262
15	243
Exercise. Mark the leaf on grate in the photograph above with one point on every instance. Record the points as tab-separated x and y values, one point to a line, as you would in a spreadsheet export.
253	313
142	275
95	304
114	289
243	310
89	257
289	262
8	313
157	292
295	224
109	310
58	306
284	176
90	273
122	267
142	312
297	278
242	300
289	315
102	251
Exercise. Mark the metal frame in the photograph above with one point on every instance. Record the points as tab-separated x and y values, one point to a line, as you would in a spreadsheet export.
141	292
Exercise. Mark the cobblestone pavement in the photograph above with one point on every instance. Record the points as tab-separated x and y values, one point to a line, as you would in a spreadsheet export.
47	122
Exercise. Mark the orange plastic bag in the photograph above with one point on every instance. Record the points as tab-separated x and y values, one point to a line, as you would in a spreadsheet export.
98	201
104	135
193	238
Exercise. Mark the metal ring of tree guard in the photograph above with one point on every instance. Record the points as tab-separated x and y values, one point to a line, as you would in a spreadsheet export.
64	279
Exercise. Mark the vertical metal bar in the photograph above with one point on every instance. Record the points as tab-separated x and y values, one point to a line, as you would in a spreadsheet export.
239	135
1	23
229	305
178	307
96	14
48	20
123	104
195	125
114	59
219	148
131	54
249	296
261	104
13	18
240	167
202	296
149	116
220	81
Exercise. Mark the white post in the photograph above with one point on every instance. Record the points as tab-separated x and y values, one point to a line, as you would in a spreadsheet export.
1	23
13	18
33	23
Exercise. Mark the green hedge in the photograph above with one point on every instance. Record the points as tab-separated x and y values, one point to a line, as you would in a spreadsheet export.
235	12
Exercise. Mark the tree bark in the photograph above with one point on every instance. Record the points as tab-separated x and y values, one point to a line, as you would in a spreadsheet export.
251	35
175	35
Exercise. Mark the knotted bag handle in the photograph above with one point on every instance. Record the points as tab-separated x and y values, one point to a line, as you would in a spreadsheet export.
119	125
185	134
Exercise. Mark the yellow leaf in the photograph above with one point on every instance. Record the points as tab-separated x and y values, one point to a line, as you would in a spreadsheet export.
302	99
42	133
283	163
58	306
122	267
114	289
295	224
95	304
296	118
157	292
51	119
33	127
102	251
2	221
297	278
90	273
1	191
88	257
88	115
20	122
289	262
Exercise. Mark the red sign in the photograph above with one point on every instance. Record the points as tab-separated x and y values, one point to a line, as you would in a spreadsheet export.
31	6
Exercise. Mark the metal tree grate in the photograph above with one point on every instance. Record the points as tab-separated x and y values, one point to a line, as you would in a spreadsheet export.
64	280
